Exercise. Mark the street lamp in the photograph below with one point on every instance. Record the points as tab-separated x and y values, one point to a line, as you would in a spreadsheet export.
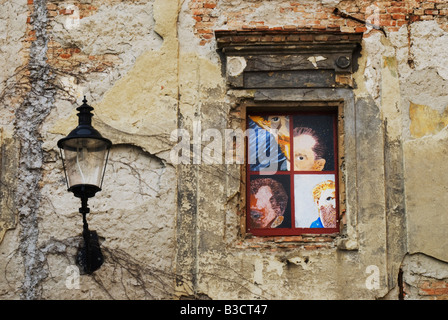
84	154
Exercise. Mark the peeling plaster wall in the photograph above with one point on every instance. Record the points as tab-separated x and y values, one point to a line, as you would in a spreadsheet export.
426	97
168	231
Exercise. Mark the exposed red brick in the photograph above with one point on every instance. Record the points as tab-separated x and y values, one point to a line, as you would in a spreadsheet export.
204	25
433	12
398	16
65	55
290	28
205	31
262	28
401	23
393	15
66	11
360	29
397	10
433	284
198	12
210	5
434	291
414	18
207	36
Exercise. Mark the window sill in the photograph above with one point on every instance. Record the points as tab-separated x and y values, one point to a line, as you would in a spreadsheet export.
305	241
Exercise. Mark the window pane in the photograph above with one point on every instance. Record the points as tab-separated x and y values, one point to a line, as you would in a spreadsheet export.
269	148
315	201
313	142
85	164
269	202
284	200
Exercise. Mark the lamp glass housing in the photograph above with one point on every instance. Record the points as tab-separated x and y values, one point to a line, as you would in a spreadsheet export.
84	163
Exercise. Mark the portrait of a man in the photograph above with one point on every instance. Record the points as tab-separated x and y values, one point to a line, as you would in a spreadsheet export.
313	143
268	202
308	151
314	200
324	195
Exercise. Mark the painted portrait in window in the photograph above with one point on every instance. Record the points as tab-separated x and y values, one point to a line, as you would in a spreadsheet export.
313	142
269	143
315	201
269	202
292	173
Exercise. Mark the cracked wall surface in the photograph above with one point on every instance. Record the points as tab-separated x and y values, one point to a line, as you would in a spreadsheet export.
170	231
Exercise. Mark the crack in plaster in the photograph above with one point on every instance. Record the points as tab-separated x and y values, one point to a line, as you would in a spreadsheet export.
29	117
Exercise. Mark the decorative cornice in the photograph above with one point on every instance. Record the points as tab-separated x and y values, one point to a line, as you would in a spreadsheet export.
227	39
288	58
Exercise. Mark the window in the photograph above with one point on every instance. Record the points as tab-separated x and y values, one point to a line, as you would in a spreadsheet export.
292	173
277	70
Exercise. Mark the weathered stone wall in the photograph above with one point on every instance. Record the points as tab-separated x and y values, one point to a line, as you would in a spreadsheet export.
167	231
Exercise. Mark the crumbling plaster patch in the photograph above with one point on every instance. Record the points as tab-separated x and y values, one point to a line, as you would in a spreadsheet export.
421	264
425	120
283	274
419	270
424	88
424	93
188	42
124	30
379	76
413	100
128	98
263	11
13	55
30	115
425	179
121	28
148	91
13	16
429	47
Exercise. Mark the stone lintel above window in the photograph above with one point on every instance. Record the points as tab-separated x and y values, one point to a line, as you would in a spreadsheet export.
288	59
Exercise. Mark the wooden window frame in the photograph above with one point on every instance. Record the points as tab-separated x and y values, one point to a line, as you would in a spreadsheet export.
282	108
